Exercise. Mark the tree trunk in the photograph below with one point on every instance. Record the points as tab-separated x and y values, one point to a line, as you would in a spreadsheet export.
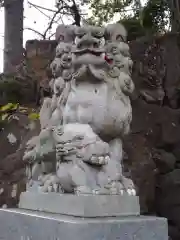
13	37
174	7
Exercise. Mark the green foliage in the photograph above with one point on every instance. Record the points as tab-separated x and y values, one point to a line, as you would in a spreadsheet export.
9	106
10	110
10	88
103	11
155	15
18	88
34	116
133	27
6	111
151	18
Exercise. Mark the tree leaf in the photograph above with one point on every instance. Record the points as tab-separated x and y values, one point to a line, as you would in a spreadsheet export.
9	106
4	116
34	116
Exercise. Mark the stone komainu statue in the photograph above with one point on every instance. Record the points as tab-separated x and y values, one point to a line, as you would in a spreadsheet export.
79	148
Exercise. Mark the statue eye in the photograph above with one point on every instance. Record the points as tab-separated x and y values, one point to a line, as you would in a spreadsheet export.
114	49
61	38
96	35
98	32
119	38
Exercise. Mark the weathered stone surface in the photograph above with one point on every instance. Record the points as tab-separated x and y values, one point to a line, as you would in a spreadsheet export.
81	206
157	125
142	169
157	61
39	55
165	161
83	122
26	225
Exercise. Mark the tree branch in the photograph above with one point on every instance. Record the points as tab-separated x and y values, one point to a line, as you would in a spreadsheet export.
37	6
51	23
75	11
40	11
35	31
53	34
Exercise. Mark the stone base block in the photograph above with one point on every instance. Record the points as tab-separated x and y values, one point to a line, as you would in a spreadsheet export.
81	206
26	225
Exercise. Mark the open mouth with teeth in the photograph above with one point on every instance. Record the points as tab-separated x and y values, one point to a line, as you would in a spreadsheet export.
89	56
97	55
96	52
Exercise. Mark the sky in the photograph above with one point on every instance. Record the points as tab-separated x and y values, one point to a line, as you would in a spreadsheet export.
33	19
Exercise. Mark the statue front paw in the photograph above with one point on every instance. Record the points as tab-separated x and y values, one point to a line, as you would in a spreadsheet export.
96	153
83	190
128	186
124	186
50	183
29	156
115	188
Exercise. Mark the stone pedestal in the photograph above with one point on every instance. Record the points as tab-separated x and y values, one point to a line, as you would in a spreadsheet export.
29	225
82	205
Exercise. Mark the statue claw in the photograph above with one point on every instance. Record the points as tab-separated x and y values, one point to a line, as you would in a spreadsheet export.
50	189
121	192
128	186
116	188
101	160
133	192
49	183
107	159
83	190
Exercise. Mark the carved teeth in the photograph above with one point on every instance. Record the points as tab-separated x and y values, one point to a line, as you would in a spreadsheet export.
102	55
49	188
107	159
133	192
101	160
55	186
98	160
121	192
93	159
129	192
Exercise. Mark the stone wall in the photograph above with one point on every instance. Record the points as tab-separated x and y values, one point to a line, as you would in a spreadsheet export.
153	148
39	55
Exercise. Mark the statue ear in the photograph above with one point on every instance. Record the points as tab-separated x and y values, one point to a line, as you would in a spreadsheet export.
115	32
65	33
